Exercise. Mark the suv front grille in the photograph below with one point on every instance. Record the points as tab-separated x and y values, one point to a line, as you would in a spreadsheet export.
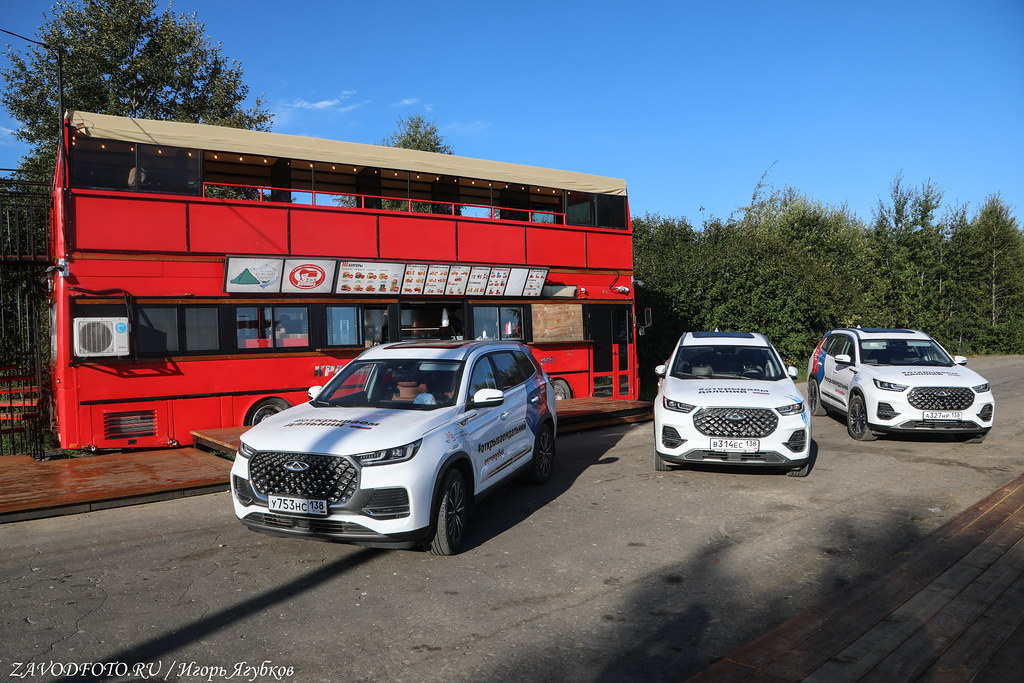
941	398
325	477
750	423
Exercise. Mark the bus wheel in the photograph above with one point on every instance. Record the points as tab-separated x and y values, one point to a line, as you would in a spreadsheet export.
264	409
562	389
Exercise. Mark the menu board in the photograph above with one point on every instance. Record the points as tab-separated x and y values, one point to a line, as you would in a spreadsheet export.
364	277
312	276
437	276
415	278
516	281
458	278
497	281
478	280
535	282
252	275
308	276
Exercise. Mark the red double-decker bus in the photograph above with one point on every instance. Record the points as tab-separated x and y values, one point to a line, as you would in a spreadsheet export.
207	276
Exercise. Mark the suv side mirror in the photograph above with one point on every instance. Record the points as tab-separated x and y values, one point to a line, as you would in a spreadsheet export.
793	372
314	392
844	359
486	398
959	360
660	370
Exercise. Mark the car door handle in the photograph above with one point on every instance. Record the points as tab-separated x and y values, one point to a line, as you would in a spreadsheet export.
504	415
534	399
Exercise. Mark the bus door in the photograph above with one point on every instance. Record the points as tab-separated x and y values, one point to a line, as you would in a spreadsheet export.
608	327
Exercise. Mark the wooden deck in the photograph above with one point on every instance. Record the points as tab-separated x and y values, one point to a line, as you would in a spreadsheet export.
30	489
948	608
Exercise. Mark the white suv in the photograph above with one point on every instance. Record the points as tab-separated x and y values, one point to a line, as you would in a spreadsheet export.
399	444
887	380
726	398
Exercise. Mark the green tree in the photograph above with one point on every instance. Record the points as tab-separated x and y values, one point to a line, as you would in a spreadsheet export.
121	58
415	132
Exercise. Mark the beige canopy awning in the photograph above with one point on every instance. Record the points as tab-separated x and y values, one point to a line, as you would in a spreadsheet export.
222	139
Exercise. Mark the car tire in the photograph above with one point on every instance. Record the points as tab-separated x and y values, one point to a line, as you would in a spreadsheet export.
857	420
452	515
562	389
814	399
543	455
659	464
264	409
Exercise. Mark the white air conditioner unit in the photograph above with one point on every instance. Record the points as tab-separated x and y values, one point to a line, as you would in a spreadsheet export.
101	337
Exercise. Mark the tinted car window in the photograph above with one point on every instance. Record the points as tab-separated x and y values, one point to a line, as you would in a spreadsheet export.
526	363
482	377
508	369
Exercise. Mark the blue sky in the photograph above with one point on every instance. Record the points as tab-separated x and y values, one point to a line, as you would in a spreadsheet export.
689	102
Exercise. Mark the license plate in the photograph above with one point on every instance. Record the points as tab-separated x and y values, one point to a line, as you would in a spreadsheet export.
297	506
941	415
736	445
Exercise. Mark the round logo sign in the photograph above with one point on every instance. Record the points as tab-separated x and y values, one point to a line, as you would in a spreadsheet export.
307	276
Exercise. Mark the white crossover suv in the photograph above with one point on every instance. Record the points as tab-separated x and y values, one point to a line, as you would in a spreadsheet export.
397	447
726	398
887	380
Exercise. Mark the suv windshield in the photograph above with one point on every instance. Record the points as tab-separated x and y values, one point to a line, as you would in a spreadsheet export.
903	352
401	383
727	362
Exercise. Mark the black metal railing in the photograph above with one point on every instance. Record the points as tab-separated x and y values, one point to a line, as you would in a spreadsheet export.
24	257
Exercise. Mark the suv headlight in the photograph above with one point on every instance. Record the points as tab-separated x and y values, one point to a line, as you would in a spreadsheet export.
890	386
791	409
386	456
982	388
677	406
245	450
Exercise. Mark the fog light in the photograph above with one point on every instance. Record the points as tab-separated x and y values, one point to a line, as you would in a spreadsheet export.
885	412
797	441
243	492
670	437
986	412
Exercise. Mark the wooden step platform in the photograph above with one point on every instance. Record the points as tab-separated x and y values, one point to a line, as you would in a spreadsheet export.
31	489
945	609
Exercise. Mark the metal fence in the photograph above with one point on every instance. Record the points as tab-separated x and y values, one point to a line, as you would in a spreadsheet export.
24	258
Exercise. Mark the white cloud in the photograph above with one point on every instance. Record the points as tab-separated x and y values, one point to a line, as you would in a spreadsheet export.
322	105
407	102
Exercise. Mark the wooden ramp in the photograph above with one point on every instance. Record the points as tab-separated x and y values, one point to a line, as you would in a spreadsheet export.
944	609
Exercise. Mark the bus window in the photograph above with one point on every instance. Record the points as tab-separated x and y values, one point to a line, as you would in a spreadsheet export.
498	322
375	325
202	325
252	327
167	170
291	326
342	325
101	164
156	329
430	321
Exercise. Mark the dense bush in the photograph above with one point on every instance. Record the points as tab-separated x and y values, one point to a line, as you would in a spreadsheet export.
793	268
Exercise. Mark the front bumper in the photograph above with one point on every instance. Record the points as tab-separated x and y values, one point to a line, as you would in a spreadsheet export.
678	441
384	506
892	413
